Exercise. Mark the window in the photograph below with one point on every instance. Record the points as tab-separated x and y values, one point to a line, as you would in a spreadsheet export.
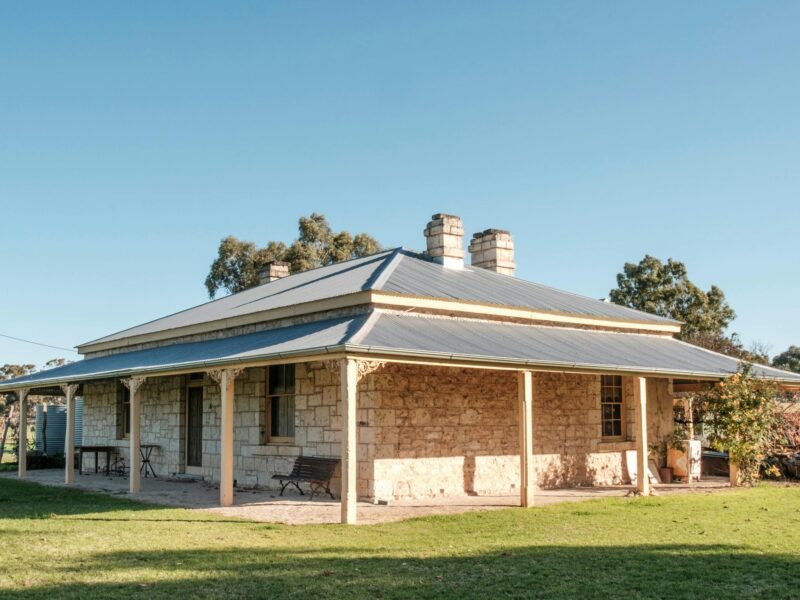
611	405
123	411
279	415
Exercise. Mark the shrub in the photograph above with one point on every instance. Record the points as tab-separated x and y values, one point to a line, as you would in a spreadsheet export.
741	419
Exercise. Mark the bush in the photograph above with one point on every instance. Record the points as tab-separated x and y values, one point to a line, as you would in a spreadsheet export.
741	419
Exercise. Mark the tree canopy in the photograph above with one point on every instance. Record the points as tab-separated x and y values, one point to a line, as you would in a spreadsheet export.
238	262
665	289
789	360
8	371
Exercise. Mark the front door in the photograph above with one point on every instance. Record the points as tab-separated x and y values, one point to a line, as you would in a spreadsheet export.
194	430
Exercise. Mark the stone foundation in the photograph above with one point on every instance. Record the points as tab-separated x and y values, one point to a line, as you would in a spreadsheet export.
423	431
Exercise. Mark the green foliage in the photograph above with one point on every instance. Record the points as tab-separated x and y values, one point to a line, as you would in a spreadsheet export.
665	289
741	419
238	262
13	441
8	371
789	360
54	363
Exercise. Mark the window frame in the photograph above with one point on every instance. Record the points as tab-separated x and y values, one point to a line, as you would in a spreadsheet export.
616	383
268	438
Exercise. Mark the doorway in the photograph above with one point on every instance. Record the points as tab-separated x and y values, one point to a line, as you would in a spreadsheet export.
194	428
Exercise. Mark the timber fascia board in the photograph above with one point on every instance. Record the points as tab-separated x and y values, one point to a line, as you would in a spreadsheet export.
467	308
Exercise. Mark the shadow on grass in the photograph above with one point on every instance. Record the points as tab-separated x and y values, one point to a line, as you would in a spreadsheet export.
648	571
125	519
29	500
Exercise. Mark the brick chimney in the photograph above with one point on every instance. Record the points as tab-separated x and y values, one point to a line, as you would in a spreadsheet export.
493	249
445	239
272	271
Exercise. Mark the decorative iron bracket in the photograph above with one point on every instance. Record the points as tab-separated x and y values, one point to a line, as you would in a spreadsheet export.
365	367
133	383
233	373
69	389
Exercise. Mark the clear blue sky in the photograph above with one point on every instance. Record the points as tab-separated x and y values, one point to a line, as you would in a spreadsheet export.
133	136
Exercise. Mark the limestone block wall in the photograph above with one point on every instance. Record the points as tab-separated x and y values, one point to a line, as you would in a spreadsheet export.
254	462
162	421
434	431
431	431
422	431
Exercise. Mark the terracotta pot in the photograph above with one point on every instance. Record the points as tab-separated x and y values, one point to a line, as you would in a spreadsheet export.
666	474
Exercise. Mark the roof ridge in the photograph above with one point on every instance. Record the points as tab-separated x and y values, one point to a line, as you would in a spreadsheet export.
365	328
379	277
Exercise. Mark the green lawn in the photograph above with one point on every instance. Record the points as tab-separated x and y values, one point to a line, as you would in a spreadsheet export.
744	544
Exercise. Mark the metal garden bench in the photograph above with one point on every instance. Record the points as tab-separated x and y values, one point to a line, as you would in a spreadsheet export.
315	471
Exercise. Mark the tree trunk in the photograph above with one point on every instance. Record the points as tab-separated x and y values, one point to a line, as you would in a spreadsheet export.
733	471
6	424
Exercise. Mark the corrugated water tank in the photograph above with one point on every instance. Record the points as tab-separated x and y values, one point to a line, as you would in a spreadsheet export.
51	427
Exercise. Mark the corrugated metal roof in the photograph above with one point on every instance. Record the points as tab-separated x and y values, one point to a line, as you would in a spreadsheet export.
546	346
417	276
399	271
286	341
404	334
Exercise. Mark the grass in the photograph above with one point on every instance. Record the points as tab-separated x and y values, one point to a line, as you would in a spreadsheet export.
67	543
8	454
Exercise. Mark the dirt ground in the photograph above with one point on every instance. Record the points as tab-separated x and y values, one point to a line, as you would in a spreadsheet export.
294	509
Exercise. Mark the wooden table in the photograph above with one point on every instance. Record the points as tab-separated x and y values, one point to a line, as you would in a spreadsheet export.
96	450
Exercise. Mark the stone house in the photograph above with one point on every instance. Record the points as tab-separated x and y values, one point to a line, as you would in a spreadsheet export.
425	376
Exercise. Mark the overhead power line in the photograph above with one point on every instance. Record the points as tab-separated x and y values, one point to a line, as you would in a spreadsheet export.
11	337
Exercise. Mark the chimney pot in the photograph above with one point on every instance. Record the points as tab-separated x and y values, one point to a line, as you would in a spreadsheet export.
272	271
493	250
444	236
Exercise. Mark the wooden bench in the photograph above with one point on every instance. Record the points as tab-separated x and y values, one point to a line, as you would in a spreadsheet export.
315	471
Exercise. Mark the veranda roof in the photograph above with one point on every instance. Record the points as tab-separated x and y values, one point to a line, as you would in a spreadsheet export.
404	336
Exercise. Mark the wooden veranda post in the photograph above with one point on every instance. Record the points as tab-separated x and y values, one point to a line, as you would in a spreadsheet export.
526	467
226	379
640	407
69	438
349	383
22	435
134	385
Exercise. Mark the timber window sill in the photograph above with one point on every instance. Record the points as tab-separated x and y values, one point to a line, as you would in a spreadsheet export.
615	445
276	450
